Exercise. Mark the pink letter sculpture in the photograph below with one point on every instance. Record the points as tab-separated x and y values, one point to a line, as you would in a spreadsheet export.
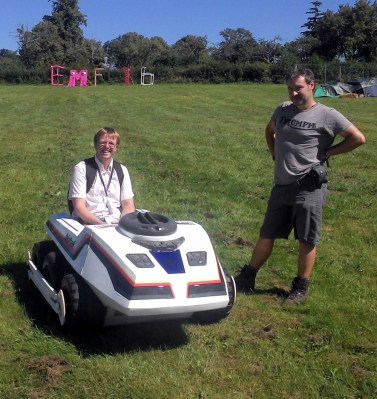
55	75
82	76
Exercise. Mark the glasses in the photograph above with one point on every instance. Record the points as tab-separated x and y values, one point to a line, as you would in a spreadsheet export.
103	144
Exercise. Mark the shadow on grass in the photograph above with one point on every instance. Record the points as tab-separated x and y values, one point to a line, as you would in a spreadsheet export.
110	340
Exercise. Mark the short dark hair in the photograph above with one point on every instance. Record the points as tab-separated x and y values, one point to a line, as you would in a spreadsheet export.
306	73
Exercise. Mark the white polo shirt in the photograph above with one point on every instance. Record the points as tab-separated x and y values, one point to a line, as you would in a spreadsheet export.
97	201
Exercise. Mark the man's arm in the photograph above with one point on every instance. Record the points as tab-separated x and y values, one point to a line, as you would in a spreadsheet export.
270	137
352	138
84	213
128	206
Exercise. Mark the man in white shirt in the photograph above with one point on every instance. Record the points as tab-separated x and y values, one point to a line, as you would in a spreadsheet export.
110	196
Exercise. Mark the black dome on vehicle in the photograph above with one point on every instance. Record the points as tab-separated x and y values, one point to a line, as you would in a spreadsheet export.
147	224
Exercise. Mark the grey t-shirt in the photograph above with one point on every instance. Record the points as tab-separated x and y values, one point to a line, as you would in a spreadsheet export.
302	137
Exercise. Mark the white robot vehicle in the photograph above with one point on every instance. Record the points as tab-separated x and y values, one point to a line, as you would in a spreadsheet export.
147	268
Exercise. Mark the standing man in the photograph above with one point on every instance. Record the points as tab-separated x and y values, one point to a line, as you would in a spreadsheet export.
100	189
299	136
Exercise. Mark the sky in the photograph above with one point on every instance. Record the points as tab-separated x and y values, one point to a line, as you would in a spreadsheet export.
169	19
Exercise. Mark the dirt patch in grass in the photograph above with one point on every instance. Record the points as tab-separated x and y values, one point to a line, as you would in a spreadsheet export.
269	332
51	367
241	242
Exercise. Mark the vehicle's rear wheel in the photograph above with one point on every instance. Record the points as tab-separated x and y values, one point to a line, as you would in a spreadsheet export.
83	308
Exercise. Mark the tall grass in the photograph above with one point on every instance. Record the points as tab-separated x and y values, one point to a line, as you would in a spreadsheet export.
194	152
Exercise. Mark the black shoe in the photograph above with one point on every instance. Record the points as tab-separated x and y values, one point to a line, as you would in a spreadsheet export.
245	279
299	291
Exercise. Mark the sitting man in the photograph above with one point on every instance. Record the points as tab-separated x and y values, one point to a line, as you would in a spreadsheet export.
100	190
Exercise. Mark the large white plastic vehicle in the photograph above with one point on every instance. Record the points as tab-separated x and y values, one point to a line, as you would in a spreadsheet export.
148	267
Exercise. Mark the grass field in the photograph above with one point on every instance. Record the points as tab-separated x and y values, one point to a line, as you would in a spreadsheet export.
194	152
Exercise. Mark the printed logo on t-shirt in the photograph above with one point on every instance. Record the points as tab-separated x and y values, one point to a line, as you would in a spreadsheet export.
296	124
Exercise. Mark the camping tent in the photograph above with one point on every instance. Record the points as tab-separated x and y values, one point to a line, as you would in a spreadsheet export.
362	87
370	87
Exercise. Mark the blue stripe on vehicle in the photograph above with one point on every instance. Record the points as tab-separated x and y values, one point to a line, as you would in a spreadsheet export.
171	262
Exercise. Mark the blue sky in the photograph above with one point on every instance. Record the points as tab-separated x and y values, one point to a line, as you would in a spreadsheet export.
169	19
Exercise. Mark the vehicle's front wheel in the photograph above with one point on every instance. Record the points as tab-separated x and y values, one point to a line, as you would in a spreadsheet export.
40	250
49	261
52	268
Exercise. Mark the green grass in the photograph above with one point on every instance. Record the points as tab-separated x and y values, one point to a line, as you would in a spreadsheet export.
194	152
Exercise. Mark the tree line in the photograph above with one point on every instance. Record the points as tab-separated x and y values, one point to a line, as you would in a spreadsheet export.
329	41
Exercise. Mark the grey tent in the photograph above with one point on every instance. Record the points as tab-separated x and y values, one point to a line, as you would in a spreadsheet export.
368	87
362	87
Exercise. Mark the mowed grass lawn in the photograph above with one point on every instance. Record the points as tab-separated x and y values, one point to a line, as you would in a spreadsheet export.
194	152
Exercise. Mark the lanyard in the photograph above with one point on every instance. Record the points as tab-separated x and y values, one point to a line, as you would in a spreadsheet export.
106	188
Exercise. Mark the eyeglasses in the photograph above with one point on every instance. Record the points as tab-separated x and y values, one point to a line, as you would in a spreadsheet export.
103	144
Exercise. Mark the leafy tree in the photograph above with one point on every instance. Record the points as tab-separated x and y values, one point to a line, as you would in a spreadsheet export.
42	46
238	46
10	66
269	50
94	52
350	33
130	49
302	48
314	19
359	31
9	60
58	38
68	19
328	34
8	55
189	49
159	51
136	51
26	47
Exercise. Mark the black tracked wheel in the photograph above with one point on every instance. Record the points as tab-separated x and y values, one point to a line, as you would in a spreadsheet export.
231	292
83	309
51	268
214	316
40	250
49	261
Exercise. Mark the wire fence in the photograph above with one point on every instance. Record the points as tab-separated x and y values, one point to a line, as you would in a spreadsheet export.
332	73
